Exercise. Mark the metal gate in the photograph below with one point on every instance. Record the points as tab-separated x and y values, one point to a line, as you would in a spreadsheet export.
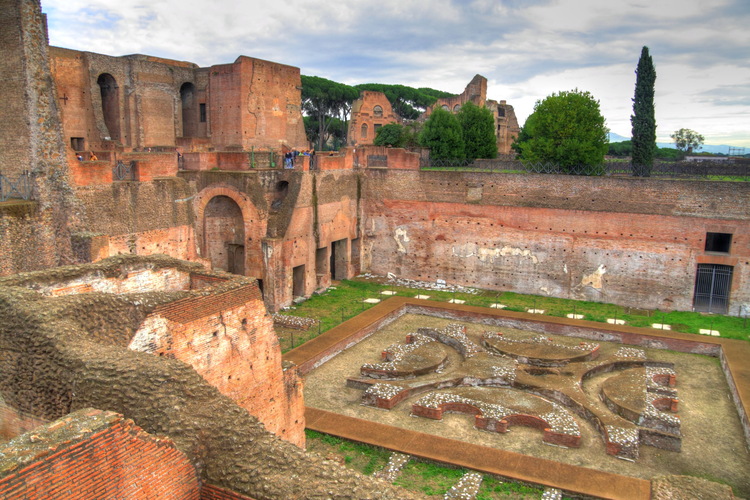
712	285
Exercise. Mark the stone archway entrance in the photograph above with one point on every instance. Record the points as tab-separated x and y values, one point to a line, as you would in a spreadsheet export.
224	235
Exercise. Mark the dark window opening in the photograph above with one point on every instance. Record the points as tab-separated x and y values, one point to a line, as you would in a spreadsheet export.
282	189
718	242
298	281
110	95
78	143
202	112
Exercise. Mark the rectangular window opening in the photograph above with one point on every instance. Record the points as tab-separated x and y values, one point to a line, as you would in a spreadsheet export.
202	110
718	242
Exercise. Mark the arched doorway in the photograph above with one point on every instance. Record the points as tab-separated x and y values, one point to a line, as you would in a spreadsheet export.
110	93
224	235
189	118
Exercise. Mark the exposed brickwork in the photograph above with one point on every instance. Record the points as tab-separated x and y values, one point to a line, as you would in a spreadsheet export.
506	123
370	112
228	338
565	241
70	352
211	492
95	454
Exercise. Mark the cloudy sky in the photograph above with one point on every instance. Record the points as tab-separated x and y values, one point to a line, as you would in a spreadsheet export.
526	49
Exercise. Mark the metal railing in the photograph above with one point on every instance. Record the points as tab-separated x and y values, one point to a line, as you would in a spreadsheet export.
728	170
20	188
124	171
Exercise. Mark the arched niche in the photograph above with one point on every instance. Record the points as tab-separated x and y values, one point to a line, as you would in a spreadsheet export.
224	235
110	94
189	110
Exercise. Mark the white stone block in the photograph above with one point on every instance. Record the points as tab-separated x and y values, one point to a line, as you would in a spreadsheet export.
714	333
575	316
498	306
661	326
613	321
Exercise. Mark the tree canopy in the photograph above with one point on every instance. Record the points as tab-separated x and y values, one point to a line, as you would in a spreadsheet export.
478	130
686	140
567	129
392	134
325	100
335	132
407	102
443	136
642	119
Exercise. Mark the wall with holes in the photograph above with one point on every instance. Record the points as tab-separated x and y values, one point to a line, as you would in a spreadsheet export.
635	242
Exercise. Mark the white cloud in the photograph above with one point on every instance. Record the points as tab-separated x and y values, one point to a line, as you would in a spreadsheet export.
527	50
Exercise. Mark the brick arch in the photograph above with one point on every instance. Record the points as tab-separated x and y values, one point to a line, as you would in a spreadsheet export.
253	224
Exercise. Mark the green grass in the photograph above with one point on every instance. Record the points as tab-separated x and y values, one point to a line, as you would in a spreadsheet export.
429	478
358	456
346	301
493	488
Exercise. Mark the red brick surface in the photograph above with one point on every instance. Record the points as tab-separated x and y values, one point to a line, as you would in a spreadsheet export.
111	460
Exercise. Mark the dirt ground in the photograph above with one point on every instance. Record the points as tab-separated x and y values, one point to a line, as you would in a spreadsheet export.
713	445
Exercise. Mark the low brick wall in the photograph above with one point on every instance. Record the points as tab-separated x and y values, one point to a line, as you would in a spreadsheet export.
95	454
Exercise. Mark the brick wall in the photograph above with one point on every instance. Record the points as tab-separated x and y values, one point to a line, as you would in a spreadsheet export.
95	454
631	242
363	114
229	340
211	492
14	137
30	136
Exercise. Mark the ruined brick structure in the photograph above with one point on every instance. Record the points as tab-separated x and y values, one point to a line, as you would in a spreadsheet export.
91	336
370	112
373	110
506	123
226	203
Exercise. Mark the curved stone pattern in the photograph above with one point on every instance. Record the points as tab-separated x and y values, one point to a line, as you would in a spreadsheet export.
420	355
539	350
517	408
633	404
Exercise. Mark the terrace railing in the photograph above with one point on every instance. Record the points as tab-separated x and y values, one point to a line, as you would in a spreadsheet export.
18	188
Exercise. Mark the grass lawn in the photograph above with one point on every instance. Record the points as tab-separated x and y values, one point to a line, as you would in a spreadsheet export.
429	478
345	301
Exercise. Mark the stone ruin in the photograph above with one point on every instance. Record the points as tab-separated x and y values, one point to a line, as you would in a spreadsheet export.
530	380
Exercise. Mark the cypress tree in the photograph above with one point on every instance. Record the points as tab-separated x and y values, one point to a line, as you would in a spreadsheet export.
642	119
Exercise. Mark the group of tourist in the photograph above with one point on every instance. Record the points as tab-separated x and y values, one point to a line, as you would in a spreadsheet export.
291	156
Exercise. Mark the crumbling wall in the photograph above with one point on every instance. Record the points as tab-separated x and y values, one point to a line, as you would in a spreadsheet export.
255	104
634	242
95	454
141	218
229	340
30	139
370	112
52	365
